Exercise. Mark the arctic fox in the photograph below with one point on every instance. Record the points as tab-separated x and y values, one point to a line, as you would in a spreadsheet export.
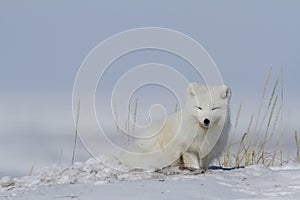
192	137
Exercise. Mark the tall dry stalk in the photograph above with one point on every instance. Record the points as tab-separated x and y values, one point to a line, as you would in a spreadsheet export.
298	147
270	118
269	106
272	134
31	170
266	141
134	118
176	107
281	118
115	110
60	156
128	122
258	151
278	113
228	150
256	132
76	132
257	144
240	156
247	152
262	99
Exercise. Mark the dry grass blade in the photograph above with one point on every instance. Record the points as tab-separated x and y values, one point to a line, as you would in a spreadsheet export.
266	141
272	162
256	132
269	105
237	120
134	118
281	118
128	122
248	149
262	99
231	143
76	132
250	124
268	115
276	120
241	151
298	147
60	157
116	120
176	107
31	170
261	145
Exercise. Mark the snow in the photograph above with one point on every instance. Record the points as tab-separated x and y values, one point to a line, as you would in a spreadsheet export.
92	180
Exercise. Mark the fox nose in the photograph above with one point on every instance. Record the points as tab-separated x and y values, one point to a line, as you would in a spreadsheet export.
206	122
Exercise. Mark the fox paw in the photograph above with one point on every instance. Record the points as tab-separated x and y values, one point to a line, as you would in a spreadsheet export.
192	170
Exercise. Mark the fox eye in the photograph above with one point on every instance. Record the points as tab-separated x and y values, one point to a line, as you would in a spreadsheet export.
215	108
198	107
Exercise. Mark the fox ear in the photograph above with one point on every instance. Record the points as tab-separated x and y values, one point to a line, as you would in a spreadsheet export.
191	88
226	93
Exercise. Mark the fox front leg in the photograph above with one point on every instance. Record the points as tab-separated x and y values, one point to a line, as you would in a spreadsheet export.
190	160
204	163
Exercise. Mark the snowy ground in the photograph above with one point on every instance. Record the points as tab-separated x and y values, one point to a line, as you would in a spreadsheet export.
92	180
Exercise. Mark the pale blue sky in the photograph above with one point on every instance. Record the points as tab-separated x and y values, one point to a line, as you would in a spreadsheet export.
43	43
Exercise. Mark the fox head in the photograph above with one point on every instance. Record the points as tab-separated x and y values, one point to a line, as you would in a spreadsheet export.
208	105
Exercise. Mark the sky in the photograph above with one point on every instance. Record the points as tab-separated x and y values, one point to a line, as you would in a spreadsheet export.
43	44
